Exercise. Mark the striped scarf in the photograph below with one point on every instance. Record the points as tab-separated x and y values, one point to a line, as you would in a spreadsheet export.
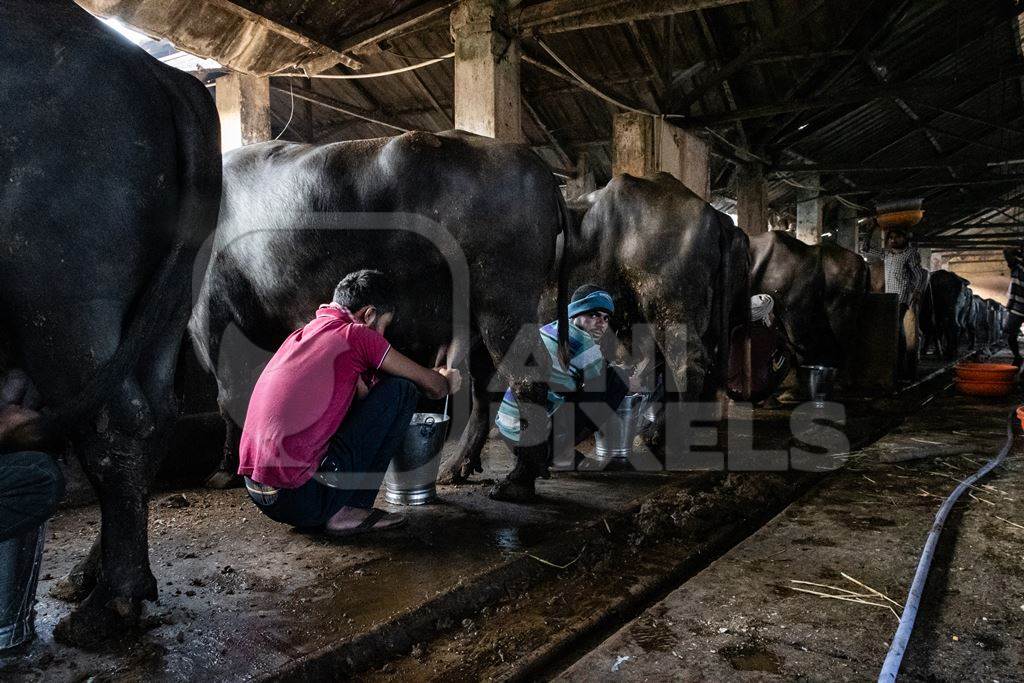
586	363
1015	294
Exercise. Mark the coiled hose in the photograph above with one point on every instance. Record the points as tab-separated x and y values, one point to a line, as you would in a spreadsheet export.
894	658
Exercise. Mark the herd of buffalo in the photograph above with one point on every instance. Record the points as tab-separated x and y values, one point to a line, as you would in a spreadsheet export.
122	224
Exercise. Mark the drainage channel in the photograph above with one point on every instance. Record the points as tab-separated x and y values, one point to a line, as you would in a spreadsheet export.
618	567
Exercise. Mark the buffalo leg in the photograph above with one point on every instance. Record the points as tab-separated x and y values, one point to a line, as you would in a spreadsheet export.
511	336
226	474
466	459
121	460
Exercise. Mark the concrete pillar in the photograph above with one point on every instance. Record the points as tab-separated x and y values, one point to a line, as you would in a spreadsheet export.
847	229
584	183
926	258
243	103
642	145
487	55
751	199
809	211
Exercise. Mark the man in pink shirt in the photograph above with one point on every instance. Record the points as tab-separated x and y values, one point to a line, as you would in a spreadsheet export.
335	397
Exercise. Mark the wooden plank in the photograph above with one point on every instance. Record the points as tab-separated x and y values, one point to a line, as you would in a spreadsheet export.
781	31
558	16
326	56
855	96
395	26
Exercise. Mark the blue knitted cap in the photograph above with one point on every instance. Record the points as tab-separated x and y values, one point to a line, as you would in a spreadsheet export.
595	301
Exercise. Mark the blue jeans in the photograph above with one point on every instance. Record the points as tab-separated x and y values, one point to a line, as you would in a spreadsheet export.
31	485
363	446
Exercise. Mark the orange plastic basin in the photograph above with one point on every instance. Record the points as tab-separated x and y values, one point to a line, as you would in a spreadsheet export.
984	387
986	372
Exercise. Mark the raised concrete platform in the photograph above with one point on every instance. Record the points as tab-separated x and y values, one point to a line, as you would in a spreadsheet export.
741	619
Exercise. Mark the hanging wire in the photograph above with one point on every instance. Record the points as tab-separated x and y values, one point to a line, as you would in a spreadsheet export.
291	113
587	86
820	190
378	74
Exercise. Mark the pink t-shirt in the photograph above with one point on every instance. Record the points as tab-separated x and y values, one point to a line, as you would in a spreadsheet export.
302	396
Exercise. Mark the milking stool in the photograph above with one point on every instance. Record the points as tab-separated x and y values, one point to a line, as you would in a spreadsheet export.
31	485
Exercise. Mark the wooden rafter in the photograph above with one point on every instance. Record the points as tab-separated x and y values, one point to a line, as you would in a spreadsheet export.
739	62
324	55
396	26
557	16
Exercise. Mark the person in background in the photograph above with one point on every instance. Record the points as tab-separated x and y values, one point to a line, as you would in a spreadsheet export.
569	388
1014	300
336	397
905	277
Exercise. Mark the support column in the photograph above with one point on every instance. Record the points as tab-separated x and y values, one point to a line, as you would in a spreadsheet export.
751	199
642	145
809	211
243	103
848	229
584	183
926	258
487	55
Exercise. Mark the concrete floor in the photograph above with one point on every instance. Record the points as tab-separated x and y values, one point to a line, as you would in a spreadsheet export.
243	598
741	619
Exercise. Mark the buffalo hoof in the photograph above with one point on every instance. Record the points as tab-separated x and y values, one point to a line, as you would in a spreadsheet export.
74	587
451	477
99	622
512	491
222	479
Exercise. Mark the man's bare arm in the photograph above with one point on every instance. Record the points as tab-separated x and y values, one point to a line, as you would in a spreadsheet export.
435	384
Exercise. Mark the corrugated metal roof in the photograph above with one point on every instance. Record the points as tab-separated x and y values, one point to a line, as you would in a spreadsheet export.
954	48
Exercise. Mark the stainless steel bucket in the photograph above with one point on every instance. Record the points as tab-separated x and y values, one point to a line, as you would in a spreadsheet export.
412	477
819	380
615	440
20	558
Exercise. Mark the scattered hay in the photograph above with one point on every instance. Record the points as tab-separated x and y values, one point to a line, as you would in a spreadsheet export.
846	595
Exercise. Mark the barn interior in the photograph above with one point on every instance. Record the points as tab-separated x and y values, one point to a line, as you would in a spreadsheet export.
819	118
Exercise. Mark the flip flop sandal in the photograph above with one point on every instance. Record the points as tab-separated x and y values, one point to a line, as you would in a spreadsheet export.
369	524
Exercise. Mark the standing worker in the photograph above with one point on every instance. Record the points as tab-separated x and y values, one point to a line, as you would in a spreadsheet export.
1014	300
905	277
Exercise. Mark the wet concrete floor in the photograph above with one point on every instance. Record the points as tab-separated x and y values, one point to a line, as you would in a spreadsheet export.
241	596
743	618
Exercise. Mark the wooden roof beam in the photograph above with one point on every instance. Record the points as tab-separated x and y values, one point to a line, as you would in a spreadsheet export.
718	77
324	55
396	26
853	96
559	16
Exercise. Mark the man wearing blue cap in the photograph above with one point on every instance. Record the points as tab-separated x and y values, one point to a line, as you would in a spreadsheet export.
590	310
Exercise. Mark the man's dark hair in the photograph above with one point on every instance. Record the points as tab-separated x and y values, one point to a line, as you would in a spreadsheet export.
365	288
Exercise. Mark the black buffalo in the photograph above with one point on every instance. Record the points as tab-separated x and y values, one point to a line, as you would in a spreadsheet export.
982	324
671	262
296	218
818	292
111	179
942	310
